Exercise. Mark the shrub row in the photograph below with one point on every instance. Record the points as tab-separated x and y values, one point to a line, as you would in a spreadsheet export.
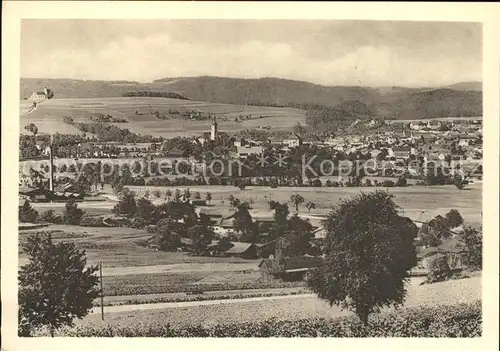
461	320
179	288
188	298
92	221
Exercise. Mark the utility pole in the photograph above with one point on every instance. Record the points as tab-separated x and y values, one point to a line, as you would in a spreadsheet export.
51	163
102	291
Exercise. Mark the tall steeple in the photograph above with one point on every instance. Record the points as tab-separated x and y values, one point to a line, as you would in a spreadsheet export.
51	166
213	130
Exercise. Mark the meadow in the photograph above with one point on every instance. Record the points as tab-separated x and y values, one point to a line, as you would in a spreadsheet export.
417	202
48	115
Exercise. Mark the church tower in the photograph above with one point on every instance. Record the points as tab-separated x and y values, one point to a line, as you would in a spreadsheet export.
213	130
50	150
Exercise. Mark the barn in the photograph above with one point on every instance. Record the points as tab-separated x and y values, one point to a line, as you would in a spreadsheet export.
245	250
289	268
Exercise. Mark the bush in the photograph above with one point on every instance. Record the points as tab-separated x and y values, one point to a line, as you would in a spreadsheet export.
92	221
438	269
401	181
72	214
50	217
27	213
454	218
316	183
388	184
461	320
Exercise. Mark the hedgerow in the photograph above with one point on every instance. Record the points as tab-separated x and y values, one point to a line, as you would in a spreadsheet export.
186	298
119	290
461	320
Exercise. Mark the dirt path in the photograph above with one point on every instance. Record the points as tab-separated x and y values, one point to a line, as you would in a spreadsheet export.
164	305
121	299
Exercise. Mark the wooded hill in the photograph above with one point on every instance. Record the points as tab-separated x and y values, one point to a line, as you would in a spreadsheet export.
461	99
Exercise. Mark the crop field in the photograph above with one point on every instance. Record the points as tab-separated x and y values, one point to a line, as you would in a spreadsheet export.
48	115
118	250
131	269
290	307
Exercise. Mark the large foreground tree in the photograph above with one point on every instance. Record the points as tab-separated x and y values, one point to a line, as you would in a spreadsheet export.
55	286
369	254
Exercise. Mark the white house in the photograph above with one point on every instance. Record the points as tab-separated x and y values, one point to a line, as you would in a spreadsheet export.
465	140
334	141
40	95
416	125
292	142
245	151
434	125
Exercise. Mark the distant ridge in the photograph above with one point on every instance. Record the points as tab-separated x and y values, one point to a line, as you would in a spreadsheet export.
473	86
460	99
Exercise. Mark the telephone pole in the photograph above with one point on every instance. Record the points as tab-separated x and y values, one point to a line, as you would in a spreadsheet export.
102	291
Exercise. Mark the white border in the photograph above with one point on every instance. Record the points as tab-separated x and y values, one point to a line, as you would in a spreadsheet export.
13	11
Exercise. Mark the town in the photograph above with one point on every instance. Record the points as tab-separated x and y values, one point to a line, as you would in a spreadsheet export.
323	202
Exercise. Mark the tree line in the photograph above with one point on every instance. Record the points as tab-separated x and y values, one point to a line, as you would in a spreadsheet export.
169	95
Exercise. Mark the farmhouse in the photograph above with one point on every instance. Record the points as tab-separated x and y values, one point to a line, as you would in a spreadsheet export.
453	249
288	269
38	96
244	250
455	252
41	95
320	233
224	228
401	152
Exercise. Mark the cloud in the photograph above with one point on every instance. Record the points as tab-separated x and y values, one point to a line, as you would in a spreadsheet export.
156	55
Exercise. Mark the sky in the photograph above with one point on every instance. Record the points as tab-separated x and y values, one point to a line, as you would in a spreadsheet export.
326	52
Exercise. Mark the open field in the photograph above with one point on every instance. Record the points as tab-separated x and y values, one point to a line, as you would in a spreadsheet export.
442	119
418	202
282	307
48	115
117	247
130	269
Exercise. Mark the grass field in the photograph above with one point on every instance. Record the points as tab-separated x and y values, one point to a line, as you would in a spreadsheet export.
48	115
417	202
420	203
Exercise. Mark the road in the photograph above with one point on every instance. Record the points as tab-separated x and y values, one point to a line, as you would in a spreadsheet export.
165	305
